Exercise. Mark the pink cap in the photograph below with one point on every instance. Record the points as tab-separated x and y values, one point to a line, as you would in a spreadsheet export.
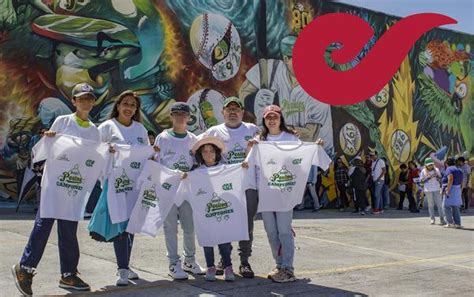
271	109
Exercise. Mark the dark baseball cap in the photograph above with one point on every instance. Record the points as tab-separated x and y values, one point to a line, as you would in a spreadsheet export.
83	89
180	107
234	99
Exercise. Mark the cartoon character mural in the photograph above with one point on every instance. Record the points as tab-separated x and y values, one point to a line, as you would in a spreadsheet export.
204	51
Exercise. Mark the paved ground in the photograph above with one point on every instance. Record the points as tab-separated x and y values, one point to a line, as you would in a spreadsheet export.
337	254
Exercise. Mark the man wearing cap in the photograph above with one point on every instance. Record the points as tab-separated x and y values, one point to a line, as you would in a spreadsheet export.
430	177
75	124
175	152
277	84
236	135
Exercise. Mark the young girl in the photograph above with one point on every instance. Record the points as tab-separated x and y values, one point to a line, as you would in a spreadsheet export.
124	127
75	124
208	152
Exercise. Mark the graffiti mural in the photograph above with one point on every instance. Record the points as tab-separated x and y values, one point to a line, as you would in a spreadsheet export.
203	51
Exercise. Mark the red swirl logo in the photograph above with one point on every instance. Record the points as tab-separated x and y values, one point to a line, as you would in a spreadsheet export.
373	72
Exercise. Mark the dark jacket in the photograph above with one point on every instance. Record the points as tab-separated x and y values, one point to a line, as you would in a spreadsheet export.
358	179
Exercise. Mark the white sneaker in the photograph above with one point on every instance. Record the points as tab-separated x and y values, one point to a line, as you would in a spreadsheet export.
132	274
176	272
432	222
122	279
193	267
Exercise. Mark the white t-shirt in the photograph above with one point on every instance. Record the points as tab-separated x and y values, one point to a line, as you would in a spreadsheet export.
113	132
175	153
122	191
377	167
431	179
66	124
72	167
283	171
218	201
235	140
158	186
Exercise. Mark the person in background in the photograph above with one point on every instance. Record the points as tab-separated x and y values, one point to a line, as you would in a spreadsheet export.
430	177
358	183
386	186
341	181
413	176
452	187
403	186
378	177
466	172
151	137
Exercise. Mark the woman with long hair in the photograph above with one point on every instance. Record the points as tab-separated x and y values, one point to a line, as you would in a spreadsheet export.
123	127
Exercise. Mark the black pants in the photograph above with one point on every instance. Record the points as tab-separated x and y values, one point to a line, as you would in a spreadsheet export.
465	198
343	203
411	200
361	199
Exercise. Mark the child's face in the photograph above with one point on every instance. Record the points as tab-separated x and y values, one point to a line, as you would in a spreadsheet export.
209	154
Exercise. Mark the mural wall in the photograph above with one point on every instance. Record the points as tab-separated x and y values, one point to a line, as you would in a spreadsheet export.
203	51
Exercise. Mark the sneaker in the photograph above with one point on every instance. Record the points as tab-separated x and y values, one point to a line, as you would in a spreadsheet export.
449	226
132	274
442	223
122	279
176	272
362	213
284	276
220	268
274	272
193	267
211	274
315	210
73	282
432	222
458	226
246	271
229	275
23	279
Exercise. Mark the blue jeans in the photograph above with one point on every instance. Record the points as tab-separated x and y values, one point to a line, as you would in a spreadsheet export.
453	214
123	250
280	236
170	228
67	244
386	195
378	194
224	249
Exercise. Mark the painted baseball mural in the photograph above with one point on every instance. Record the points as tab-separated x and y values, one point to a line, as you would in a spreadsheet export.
204	51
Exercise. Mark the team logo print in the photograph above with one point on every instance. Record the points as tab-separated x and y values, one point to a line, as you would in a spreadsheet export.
140	140
227	187
271	162
248	137
123	183
63	157
181	164
89	163
218	208
72	180
169	153
200	192
149	197
135	165
283	179
166	186
296	161
236	155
